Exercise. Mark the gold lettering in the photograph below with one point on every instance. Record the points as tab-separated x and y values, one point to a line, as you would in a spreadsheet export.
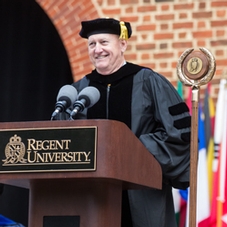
29	157
64	156
52	145
70	156
30	144
39	157
60	145
43	146
86	156
38	145
78	156
51	157
58	157
66	144
45	157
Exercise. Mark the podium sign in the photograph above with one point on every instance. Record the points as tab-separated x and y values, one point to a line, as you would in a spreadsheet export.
49	149
105	156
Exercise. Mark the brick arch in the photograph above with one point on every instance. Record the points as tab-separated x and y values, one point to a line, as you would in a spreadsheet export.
66	16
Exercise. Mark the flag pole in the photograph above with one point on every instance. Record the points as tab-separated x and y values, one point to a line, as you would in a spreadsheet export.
195	68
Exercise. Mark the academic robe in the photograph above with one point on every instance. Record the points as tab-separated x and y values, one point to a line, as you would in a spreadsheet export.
151	107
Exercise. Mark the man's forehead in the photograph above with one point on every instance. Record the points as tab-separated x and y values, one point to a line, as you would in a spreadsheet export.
102	36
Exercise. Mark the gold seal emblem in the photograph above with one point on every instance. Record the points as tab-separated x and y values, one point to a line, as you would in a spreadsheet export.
14	151
196	68
194	65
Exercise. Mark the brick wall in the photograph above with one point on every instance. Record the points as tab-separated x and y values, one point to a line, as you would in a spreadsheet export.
161	31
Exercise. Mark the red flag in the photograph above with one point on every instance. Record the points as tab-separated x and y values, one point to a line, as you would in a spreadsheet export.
189	100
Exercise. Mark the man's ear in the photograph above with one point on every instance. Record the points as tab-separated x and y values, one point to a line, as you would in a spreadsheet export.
124	45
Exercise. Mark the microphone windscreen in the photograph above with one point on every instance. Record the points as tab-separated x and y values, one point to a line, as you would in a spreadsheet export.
68	92
90	93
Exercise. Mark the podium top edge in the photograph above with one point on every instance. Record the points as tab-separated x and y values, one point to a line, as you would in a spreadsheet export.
60	123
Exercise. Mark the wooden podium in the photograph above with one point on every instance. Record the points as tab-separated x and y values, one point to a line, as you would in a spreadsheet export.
84	198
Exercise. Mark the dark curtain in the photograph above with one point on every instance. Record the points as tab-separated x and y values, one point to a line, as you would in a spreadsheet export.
33	62
33	67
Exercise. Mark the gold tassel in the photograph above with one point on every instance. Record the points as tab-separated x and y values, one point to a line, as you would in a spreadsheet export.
124	31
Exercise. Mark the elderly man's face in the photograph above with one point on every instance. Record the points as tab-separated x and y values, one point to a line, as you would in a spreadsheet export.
106	52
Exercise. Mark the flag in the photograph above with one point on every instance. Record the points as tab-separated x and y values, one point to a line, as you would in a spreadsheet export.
180	206
183	207
4	221
209	114
203	202
189	100
180	89
222	203
176	202
218	132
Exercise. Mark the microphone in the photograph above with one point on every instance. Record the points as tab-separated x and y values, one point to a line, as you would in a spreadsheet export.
86	98
65	98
